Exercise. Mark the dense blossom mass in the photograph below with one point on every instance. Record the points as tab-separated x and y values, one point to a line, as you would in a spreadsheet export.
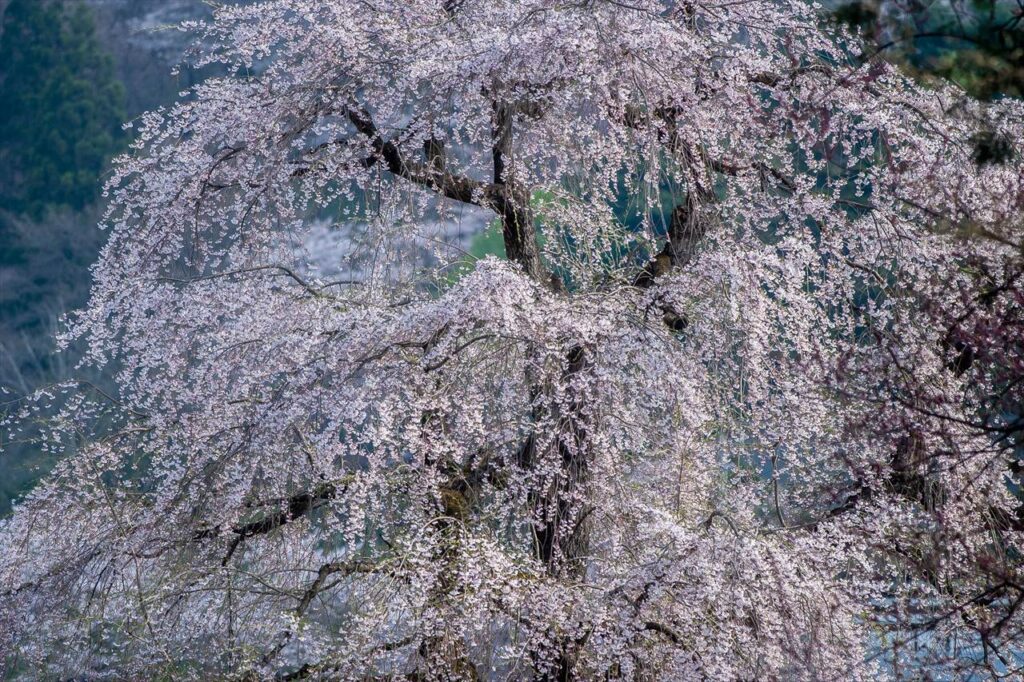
725	411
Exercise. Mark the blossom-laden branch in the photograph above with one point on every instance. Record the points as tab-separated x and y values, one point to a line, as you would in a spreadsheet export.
471	468
504	198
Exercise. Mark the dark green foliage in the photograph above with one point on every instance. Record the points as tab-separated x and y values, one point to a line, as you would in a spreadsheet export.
990	148
985	52
978	44
856	14
61	108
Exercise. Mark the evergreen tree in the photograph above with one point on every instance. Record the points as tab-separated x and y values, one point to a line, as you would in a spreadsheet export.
60	107
977	44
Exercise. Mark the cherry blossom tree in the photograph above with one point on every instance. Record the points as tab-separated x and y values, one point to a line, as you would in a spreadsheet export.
712	418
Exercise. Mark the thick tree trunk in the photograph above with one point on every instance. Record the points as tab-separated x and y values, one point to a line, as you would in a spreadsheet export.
561	517
517	221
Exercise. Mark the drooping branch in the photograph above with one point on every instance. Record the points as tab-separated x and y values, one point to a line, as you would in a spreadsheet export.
451	186
685	230
663	630
292	508
331	568
506	199
283	270
688	224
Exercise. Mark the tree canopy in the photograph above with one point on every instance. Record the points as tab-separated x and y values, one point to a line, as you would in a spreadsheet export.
742	434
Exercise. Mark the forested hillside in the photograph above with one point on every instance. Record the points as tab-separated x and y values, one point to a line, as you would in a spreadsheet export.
71	74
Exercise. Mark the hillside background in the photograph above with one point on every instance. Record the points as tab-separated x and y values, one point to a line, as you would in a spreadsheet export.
71	73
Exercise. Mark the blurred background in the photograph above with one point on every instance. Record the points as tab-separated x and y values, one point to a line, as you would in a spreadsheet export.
72	72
